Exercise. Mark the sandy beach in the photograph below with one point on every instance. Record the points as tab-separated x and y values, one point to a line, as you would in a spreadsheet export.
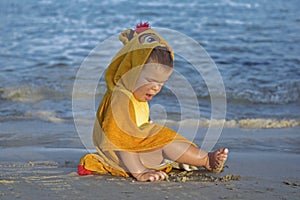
266	160
53	57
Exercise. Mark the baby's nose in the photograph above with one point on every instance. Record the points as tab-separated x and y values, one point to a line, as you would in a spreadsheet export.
157	86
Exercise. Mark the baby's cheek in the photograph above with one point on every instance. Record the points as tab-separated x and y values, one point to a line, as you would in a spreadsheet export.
159	88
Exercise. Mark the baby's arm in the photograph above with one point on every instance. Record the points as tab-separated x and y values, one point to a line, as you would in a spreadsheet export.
138	170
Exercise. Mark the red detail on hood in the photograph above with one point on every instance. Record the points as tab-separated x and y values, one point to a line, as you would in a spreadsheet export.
142	27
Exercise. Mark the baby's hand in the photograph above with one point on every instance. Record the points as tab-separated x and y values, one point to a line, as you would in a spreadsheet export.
152	175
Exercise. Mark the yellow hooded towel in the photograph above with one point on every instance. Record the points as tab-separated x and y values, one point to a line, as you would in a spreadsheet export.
122	122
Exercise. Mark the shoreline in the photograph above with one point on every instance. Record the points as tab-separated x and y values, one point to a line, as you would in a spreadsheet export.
260	177
44	166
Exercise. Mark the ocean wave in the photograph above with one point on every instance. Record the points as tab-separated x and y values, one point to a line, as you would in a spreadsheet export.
236	4
241	123
29	93
44	115
235	22
277	94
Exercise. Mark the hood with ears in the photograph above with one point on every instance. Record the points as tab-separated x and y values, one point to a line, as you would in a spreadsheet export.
138	45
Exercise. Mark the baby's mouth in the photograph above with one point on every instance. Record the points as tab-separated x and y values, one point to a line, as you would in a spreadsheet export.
149	96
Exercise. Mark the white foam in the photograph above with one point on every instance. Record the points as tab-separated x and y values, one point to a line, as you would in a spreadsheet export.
28	93
238	22
236	4
45	115
242	123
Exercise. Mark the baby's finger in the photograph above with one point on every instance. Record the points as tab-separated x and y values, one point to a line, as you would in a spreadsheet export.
151	178
163	175
157	176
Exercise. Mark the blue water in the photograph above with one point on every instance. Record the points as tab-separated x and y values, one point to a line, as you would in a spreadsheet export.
255	45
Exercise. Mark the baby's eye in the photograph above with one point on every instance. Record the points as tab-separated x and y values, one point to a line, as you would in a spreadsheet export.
148	38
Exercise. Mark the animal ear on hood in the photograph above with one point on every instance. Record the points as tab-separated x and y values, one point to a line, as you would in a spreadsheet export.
127	35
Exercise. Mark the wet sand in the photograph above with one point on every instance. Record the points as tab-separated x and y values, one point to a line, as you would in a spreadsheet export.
267	161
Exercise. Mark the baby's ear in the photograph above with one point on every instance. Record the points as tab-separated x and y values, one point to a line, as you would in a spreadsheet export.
126	36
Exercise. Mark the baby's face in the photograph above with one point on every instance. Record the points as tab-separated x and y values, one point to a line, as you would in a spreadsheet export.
150	81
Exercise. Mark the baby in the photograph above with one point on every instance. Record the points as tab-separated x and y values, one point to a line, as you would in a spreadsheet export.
127	143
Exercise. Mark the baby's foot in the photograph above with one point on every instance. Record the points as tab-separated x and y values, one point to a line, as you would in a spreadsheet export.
216	160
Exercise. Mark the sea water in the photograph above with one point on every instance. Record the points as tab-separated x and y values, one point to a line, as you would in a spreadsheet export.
254	44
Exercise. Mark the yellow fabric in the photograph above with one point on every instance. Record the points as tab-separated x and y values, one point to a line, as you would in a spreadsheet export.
122	122
141	110
95	163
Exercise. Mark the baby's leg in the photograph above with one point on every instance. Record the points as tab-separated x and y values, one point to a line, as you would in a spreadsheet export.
188	154
152	159
134	166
